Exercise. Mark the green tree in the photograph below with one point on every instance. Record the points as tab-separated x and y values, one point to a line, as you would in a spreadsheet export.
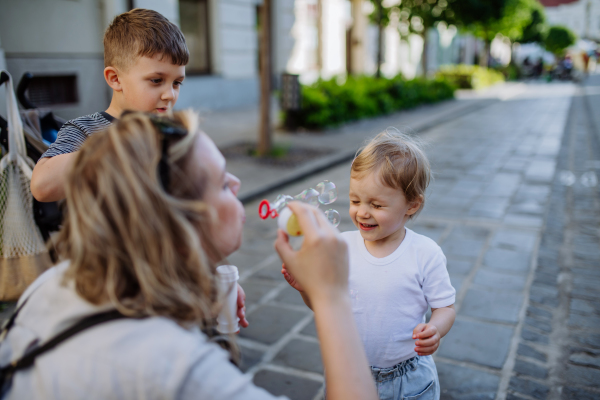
558	39
418	16
536	30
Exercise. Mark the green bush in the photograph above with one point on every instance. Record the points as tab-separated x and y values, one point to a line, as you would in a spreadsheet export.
470	76
332	102
558	39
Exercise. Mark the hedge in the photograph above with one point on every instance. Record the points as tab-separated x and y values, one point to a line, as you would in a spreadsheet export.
470	76
331	102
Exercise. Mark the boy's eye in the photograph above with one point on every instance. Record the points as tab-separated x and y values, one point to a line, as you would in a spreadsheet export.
177	83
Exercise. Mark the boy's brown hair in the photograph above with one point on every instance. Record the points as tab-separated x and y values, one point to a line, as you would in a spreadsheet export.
142	33
400	162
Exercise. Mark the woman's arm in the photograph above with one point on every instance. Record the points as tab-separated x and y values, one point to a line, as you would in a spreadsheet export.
321	268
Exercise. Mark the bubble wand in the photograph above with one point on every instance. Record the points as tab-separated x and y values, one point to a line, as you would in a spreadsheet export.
324	194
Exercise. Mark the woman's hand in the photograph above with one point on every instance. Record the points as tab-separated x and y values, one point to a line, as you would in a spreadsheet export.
241	304
320	267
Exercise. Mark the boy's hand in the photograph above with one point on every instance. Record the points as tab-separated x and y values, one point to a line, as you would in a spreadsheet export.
241	304
428	339
290	279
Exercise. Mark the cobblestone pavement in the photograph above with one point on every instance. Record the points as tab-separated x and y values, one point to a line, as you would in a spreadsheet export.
497	195
559	350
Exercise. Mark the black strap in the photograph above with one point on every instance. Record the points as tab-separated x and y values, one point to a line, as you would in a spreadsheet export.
28	359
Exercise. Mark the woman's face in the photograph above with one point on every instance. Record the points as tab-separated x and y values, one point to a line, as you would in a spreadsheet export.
220	193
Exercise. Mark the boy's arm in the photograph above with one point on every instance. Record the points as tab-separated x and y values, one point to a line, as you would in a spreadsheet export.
49	176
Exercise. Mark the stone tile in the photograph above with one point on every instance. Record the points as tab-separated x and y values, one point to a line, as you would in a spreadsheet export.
250	357
470	341
269	323
574	393
532	336
463	383
281	384
500	280
459	267
289	295
543	326
590	340
515	240
529	221
310	329
503	259
531	369
585	376
540	170
539	313
492	305
530	388
581	321
300	354
587	359
528	351
545	295
256	289
460	246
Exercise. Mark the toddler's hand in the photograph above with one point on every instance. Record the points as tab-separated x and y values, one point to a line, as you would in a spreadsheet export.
290	279
428	339
241	304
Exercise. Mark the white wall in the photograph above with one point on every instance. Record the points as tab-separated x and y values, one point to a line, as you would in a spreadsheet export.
283	19
577	16
168	8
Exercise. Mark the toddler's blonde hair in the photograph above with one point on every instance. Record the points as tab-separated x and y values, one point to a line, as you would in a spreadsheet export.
400	162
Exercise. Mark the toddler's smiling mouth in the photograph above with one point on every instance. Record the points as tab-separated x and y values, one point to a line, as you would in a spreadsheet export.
366	227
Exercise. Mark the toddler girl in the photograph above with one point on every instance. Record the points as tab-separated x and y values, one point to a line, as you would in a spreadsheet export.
395	273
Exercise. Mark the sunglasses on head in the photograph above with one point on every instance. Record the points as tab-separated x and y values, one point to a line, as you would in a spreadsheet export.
168	129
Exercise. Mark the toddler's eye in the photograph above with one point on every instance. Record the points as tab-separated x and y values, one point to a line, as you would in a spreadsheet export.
376	206
156	80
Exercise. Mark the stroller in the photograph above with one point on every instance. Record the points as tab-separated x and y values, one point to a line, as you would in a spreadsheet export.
40	128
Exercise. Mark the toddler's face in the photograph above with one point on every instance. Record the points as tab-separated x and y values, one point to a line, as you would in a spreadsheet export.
151	84
377	210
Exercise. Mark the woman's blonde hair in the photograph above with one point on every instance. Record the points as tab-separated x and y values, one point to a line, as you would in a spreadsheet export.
400	161
130	241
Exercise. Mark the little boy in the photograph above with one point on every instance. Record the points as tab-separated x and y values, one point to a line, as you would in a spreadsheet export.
144	59
395	273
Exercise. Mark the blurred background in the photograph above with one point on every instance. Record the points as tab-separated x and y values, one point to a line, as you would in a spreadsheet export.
505	92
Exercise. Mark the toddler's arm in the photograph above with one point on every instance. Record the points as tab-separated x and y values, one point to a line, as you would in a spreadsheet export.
428	335
293	283
49	176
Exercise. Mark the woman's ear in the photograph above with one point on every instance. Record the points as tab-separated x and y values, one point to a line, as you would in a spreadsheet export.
111	75
415	205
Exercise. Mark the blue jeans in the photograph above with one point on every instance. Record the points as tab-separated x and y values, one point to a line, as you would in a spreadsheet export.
413	379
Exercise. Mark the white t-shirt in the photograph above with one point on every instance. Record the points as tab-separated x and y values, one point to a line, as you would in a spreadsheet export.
390	295
152	358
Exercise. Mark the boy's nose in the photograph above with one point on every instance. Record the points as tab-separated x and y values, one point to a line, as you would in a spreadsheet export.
168	94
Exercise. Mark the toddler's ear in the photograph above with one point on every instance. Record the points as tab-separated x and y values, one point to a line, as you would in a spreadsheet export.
415	205
111	75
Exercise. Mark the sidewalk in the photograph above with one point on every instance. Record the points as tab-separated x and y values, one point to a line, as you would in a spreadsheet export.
488	208
231	127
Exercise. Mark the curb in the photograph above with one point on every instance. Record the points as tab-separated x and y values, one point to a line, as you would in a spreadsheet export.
347	155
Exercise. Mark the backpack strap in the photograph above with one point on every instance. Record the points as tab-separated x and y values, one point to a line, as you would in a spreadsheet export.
28	359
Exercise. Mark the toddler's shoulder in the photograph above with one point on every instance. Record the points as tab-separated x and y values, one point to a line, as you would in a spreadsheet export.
425	244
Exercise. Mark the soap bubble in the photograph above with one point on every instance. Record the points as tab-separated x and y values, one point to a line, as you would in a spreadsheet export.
333	216
309	196
327	192
281	201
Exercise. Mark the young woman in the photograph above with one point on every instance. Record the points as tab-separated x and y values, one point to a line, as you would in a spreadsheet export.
151	211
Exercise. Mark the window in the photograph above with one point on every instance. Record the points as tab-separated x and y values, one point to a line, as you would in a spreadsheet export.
193	17
52	90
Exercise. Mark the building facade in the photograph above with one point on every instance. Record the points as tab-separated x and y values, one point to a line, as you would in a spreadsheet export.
581	16
60	43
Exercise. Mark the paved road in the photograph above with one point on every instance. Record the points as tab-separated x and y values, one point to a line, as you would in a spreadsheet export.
490	207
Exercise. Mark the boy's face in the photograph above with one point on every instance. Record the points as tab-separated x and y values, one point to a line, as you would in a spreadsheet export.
377	210
151	84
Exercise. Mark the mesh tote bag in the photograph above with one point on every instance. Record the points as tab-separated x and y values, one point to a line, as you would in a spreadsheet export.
23	255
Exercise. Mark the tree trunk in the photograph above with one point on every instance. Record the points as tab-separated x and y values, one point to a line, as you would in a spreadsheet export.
264	140
379	38
424	55
484	59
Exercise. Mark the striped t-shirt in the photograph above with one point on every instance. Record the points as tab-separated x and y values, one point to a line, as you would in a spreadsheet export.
74	132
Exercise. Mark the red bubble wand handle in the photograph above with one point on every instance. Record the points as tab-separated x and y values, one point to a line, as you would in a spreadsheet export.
265	211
